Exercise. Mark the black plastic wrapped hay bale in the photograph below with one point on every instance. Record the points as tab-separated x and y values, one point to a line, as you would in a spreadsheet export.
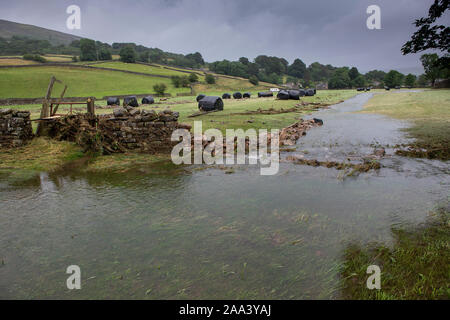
265	94
210	103
309	92
315	91
283	95
148	100
237	95
226	96
200	97
318	121
112	101
294	94
130	101
302	92
247	95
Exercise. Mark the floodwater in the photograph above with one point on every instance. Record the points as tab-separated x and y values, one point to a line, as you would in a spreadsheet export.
162	232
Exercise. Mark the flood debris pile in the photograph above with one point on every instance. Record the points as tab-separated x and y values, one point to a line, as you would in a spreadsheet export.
290	134
352	168
126	129
15	128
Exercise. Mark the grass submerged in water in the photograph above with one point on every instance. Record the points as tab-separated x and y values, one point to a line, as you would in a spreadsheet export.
429	112
414	268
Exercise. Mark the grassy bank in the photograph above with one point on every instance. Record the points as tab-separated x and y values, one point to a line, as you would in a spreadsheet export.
429	113
39	155
415	267
46	155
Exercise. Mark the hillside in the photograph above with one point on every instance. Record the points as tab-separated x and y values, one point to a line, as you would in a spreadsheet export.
9	29
31	82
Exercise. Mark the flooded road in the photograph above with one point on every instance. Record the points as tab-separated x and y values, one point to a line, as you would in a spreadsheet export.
164	233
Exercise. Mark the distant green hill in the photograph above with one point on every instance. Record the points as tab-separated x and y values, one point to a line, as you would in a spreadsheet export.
9	29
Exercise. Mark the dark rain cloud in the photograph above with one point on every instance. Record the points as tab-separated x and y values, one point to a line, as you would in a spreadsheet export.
327	31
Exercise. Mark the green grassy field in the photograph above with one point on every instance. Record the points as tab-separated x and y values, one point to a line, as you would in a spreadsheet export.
135	67
33	82
429	112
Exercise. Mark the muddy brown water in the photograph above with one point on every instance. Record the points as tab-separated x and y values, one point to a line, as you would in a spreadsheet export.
163	233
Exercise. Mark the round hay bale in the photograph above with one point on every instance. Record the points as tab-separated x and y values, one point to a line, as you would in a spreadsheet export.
283	95
309	92
294	94
131	101
265	94
237	95
226	96
200	97
113	101
148	100
247	95
302	92
210	103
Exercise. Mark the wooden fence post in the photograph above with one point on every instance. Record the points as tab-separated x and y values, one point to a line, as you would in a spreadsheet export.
45	104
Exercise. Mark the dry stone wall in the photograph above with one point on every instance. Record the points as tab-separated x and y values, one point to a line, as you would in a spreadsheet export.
127	129
15	128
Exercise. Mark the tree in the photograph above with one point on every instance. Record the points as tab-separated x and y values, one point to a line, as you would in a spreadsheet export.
88	50
375	76
340	79
244	60
353	73
320	72
253	80
196	58
410	80
422	81
160	88
359	81
431	65
431	36
127	54
104	54
144	56
209	78
193	78
393	79
176	81
297	69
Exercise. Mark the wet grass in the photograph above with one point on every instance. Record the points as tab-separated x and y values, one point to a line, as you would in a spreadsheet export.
41	154
429	112
124	162
415	267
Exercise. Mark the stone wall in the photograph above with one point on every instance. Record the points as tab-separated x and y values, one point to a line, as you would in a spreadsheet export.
15	128
127	129
142	130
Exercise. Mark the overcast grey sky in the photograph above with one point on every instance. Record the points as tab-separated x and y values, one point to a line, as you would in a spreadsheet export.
327	31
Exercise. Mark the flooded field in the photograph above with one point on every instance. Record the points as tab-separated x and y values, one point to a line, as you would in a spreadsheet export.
165	232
